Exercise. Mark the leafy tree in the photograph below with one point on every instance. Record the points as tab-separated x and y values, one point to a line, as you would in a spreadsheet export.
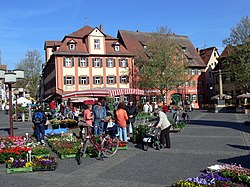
162	66
238	59
31	65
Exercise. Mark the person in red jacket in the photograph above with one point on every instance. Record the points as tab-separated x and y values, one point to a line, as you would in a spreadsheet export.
121	119
52	107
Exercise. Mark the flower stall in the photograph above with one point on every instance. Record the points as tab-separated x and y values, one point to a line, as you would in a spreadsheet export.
219	175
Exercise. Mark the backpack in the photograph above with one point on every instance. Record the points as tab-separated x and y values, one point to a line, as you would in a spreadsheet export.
38	117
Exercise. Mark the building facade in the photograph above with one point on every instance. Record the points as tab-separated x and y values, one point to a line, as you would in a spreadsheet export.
193	89
210	57
85	59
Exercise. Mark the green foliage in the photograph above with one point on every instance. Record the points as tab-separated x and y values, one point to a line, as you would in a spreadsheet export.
31	65
164	67
238	59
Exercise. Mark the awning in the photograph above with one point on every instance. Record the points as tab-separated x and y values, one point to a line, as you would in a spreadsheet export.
83	99
244	96
103	92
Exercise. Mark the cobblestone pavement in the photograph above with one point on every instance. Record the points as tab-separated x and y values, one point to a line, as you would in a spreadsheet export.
209	139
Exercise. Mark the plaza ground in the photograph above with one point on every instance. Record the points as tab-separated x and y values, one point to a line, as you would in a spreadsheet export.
210	138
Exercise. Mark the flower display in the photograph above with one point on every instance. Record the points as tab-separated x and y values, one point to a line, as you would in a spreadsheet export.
219	175
44	163
18	163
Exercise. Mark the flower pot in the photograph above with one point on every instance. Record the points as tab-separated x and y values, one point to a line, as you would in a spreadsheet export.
19	170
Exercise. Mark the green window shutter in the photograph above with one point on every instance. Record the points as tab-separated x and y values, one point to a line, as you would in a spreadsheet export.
126	62
79	80
73	80
120	79
64	80
107	79
101	80
72	61
114	62
119	62
100	62
87	80
64	61
93	79
79	59
115	79
87	61
107	62
93	62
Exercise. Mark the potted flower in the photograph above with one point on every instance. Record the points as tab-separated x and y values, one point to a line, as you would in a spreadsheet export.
55	123
18	165
44	163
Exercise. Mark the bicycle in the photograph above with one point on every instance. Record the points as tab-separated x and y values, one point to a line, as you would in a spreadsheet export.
106	147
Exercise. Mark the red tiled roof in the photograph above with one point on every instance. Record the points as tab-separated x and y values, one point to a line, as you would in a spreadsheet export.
206	54
52	43
111	51
134	42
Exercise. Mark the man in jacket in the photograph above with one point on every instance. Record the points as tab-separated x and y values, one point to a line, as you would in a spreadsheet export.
39	120
132	112
99	113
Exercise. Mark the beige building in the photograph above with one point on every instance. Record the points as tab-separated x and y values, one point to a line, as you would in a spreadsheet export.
86	59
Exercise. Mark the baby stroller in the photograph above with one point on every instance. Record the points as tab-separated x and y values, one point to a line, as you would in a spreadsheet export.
152	138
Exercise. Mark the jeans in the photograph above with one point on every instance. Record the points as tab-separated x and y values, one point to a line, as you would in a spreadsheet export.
98	127
39	132
123	134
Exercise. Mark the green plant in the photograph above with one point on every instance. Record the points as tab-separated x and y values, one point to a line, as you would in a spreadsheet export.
21	109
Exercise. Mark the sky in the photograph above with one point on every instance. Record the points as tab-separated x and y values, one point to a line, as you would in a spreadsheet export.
27	24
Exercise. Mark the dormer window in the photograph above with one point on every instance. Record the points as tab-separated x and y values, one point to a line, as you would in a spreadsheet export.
72	46
96	43
117	48
184	49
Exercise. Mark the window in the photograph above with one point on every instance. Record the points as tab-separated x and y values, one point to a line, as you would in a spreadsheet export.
187	83
68	62
111	79
192	72
110	62
83	62
200	83
117	48
96	43
117	99
83	80
123	79
199	72
123	62
69	80
72	46
97	62
98	80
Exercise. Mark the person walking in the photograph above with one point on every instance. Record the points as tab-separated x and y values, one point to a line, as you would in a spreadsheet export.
52	107
39	120
131	112
164	125
88	117
99	113
121	118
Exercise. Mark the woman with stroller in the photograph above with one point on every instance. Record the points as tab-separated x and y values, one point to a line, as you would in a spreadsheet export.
164	125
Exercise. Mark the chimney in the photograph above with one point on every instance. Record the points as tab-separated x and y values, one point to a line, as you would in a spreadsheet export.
101	28
198	50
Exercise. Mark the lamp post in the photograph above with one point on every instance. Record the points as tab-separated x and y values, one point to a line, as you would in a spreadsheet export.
10	77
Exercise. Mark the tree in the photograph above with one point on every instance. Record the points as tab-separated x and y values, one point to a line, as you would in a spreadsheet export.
31	65
163	67
238	59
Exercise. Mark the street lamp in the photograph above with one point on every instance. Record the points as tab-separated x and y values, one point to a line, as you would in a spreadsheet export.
16	93
10	77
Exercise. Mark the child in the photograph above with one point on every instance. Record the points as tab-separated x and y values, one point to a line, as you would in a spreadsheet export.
111	126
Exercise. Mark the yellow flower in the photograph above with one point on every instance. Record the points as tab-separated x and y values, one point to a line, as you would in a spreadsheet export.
28	164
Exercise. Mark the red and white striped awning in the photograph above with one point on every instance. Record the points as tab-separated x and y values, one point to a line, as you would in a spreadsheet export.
102	92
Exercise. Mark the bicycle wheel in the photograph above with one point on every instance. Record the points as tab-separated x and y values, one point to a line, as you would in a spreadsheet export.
109	146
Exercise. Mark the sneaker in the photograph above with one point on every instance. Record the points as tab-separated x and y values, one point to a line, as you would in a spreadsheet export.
42	142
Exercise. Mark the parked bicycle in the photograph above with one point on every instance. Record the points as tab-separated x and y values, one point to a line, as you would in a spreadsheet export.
106	146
